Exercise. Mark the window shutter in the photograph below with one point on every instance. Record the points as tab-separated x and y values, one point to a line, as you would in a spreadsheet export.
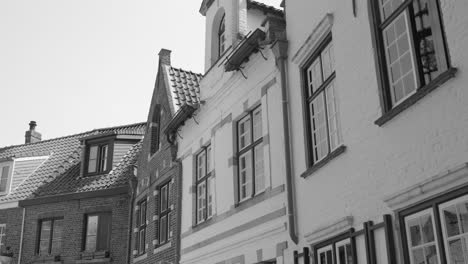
104	232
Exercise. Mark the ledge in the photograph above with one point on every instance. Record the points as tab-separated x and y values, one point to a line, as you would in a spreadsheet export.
162	247
102	260
243	50
421	92
322	163
330	229
140	258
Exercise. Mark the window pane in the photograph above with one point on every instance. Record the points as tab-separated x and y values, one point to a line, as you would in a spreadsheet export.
333	120
387	7
163	230
201	201
328	63
211	196
259	169
103	158
463	213
399	54
92	225
93	151
451	221
314	76
104	231
164	198
201	161
456	251
245	174
319	128
209	159
244	133
43	247
421	238
257	123
91	243
431	255
4	178
143	213
142	242
415	232
57	233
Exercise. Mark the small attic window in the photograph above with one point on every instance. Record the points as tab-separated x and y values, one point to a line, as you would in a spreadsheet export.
5	171
98	157
155	128
222	36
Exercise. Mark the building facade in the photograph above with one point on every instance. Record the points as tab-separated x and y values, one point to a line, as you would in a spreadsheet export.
379	119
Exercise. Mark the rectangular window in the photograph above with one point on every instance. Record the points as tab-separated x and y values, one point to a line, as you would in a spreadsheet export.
324	134
98	231
439	232
410	39
50	236
4	179
342	251
2	236
164	212
251	177
205	185
140	245
98	158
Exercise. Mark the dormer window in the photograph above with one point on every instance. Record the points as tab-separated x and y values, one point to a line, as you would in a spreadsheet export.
5	170
222	36
98	157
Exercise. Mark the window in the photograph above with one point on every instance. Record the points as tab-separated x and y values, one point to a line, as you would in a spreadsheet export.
50	236
323	129
251	176
99	158
164	213
205	185
2	236
140	245
411	44
222	36
155	129
4	178
97	232
437	231
342	250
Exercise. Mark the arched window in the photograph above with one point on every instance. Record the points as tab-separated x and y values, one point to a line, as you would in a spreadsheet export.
222	36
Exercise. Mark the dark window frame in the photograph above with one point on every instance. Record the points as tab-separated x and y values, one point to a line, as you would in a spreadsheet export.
110	153
249	148
141	226
98	231
432	204
203	180
222	33
39	233
166	212
350	234
307	99
423	87
155	130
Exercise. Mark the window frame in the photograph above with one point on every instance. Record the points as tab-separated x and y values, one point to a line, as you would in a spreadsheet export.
2	235
205	179
51	234
389	108
434	205
167	212
155	130
110	153
9	165
222	34
333	243
308	96
141	227
249	148
98	229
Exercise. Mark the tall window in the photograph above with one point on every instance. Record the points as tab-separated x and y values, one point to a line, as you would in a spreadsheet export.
342	250
99	158
164	213
140	245
222	36
205	185
251	176
2	236
4	177
324	135
50	236
97	232
410	38
155	129
438	233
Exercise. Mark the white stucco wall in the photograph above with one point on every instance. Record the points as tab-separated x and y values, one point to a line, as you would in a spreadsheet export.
422	141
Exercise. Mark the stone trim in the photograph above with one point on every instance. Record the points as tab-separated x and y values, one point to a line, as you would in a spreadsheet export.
445	181
224	121
267	86
313	40
162	248
55	214
140	258
329	230
280	248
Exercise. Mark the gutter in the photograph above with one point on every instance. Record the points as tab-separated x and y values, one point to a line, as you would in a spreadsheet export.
280	49
22	236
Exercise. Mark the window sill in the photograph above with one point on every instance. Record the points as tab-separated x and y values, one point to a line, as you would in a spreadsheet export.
162	247
324	161
423	91
140	257
102	260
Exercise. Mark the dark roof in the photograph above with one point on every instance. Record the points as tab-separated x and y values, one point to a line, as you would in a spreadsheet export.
59	155
184	87
264	8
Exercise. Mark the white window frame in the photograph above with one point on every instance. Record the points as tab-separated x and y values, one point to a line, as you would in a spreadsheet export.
322	250
204	176
9	164
342	243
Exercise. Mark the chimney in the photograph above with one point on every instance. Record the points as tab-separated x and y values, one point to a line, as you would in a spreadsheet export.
165	56
32	136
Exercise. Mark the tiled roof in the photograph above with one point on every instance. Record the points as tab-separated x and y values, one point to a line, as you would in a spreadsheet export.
185	87
263	7
62	156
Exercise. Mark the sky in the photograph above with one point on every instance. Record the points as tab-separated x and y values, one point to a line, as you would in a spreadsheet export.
77	65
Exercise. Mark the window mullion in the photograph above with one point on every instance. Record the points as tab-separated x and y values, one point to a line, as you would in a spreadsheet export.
394	15
326	120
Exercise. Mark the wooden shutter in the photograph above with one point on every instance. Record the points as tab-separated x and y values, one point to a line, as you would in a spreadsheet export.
104	232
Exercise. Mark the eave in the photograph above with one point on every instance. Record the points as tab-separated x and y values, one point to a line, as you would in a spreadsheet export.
243	51
184	113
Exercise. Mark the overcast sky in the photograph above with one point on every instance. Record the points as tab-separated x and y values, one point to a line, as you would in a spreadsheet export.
76	65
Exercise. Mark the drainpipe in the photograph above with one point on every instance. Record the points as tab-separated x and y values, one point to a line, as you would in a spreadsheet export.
22	236
133	184
280	50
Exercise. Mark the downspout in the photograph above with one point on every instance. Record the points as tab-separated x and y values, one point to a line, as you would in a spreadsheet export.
22	236
133	183
280	50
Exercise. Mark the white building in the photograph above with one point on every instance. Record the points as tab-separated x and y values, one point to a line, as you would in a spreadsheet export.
379	121
231	145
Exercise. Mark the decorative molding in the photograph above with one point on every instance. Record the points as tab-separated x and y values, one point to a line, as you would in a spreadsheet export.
329	230
443	182
163	247
313	40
